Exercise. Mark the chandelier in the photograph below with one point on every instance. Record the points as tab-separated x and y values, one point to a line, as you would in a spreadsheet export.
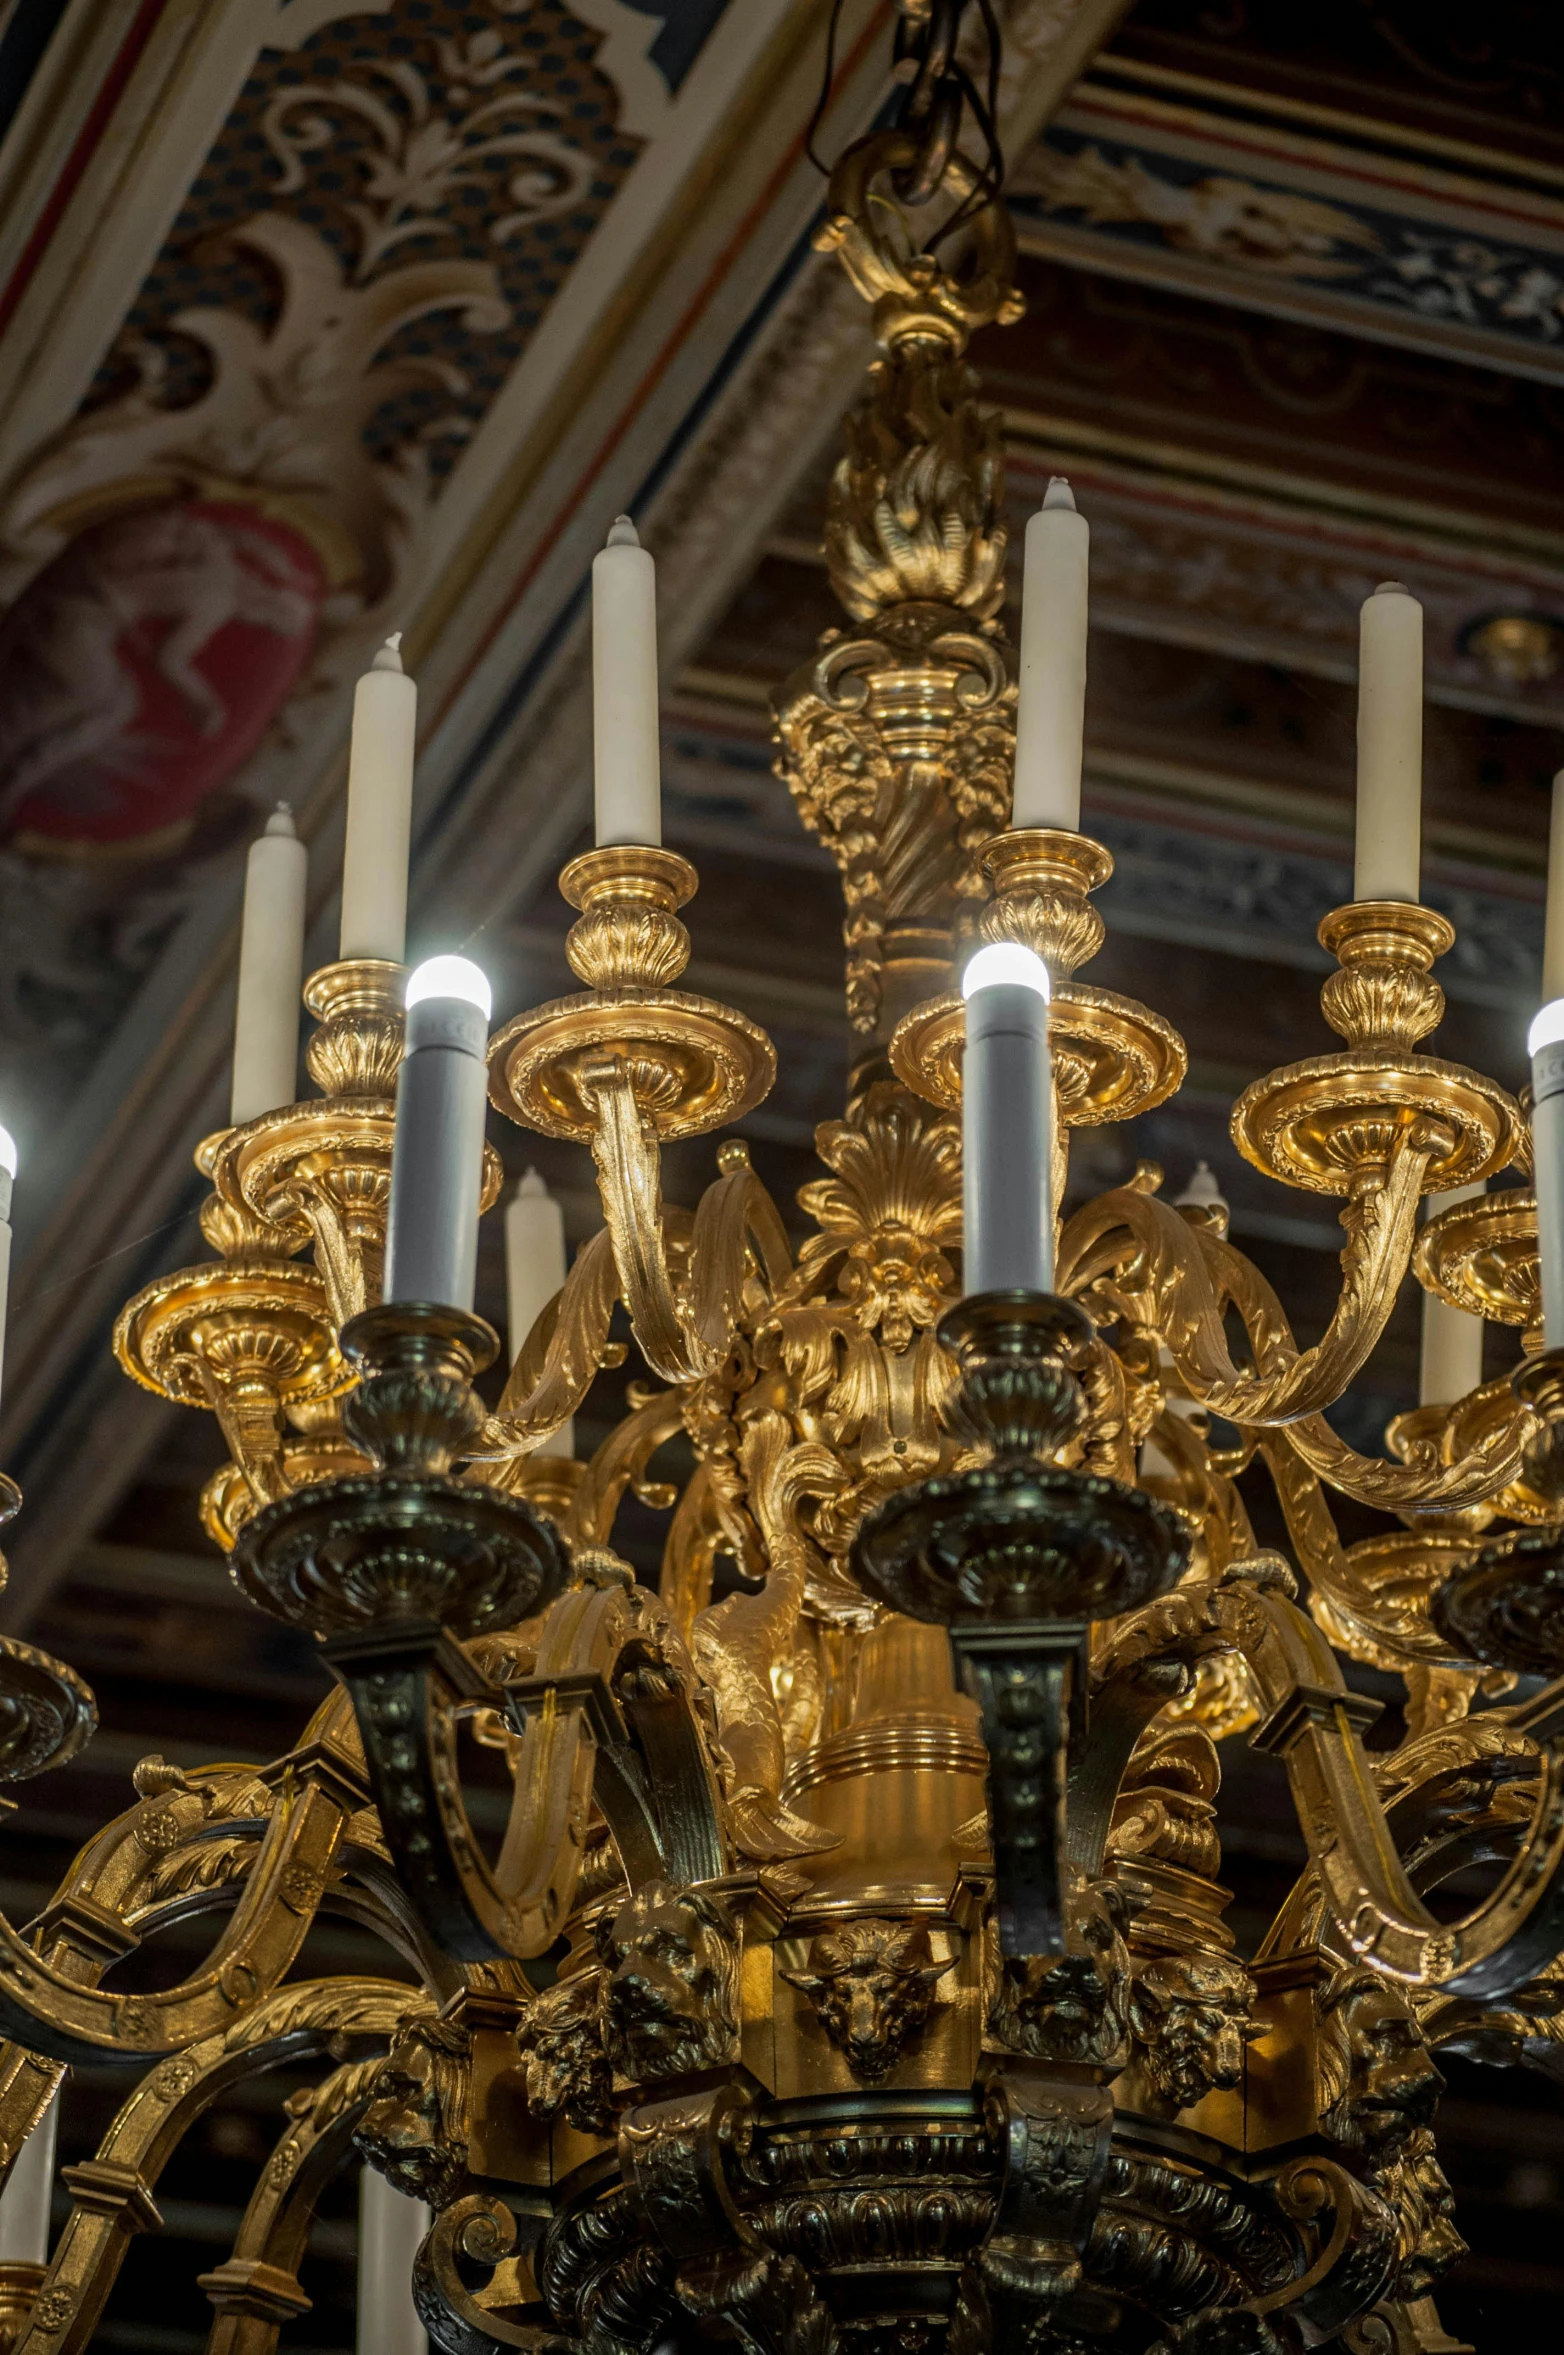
851	1976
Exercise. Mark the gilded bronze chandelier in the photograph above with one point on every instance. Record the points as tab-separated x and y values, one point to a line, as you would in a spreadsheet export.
852	1976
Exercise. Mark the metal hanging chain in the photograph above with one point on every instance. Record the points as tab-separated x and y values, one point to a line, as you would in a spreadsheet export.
940	95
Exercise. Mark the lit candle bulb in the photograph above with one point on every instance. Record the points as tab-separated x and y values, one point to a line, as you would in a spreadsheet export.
271	971
7	1180
29	2192
437	1152
1051	704
380	809
390	2229
534	1272
1452	1355
1390	746
1006	1123
628	763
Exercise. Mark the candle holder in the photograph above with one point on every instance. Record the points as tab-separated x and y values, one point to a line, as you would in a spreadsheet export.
1481	1256
406	1542
629	1065
686	1063
1016	1556
1112	1058
1506	1607
47	1714
20	2282
1330	1125
321	1170
250	1335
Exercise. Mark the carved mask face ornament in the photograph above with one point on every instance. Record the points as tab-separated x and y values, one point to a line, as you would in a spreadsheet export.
1378	2079
1191	2015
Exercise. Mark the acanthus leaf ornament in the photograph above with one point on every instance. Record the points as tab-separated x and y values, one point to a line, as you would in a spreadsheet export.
851	1969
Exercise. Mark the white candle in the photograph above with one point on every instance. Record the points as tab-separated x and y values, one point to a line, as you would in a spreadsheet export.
271	971
624	690
380	809
1390	745
1452	1355
437	1151
1545	1044
534	1272
1051	707
25	2202
1006	1122
1553	936
390	2228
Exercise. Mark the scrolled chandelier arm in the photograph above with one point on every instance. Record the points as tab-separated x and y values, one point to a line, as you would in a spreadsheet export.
863	1897
1183	1279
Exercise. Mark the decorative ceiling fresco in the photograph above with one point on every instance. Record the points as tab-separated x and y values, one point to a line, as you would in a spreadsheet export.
320	320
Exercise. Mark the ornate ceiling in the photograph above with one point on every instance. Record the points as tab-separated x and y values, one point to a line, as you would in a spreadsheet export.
324	317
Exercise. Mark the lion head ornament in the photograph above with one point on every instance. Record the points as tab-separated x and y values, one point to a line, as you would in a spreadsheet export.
415	2128
1072	2007
673	1982
1427	2242
560	2040
1190	2015
872	1986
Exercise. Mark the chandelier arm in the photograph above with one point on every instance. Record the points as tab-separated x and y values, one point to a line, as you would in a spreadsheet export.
1474	1479
620	1463
603	1710
1106	1443
338	1261
1418	1783
1189	1276
1313	1724
260	2276
249	1415
1207	1494
412	1687
113	2194
559	1360
629	1179
737	1225
1149	1660
48	2006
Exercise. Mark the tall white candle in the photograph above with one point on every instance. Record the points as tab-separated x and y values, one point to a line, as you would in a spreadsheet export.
25	2202
271	971
534	1272
1006	1123
390	2228
1390	745
1051	706
437	1151
1546	1046
624	690
1553	936
1452	1355
380	809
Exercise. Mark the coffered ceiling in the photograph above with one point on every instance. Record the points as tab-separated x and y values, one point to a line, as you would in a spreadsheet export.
319	318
